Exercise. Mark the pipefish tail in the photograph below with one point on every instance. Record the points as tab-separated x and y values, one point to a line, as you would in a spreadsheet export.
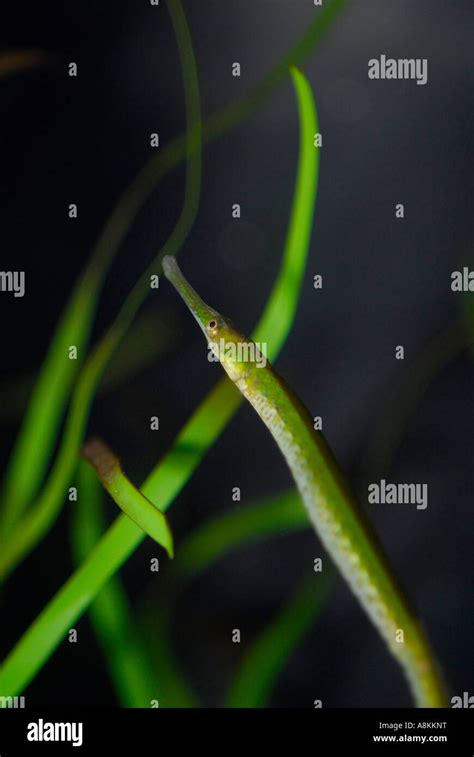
342	526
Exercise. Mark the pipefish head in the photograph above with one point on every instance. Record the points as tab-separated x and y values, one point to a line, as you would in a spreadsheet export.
221	336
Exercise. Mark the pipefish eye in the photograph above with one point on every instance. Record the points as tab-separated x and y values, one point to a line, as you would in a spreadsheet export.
212	325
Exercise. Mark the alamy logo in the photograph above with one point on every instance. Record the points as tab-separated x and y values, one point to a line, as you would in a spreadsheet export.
241	352
462	281
399	68
399	494
465	701
42	731
13	281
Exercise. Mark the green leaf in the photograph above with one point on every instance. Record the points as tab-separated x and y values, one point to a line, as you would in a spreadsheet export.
110	614
126	495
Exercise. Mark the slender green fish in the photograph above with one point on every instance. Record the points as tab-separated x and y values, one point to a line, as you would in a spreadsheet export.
341	525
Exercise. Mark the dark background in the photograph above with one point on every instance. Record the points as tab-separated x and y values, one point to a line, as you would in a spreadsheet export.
386	282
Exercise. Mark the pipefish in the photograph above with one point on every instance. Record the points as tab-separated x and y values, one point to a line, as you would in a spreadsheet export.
340	523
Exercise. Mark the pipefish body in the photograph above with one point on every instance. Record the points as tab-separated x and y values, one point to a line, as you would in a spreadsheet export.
341	524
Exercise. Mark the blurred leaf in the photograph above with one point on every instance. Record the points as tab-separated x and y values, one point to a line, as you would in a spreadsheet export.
241	109
269	516
141	672
34	445
110	614
32	527
261	519
390	425
17	61
150	337
467	315
173	687
198	434
268	655
147	339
